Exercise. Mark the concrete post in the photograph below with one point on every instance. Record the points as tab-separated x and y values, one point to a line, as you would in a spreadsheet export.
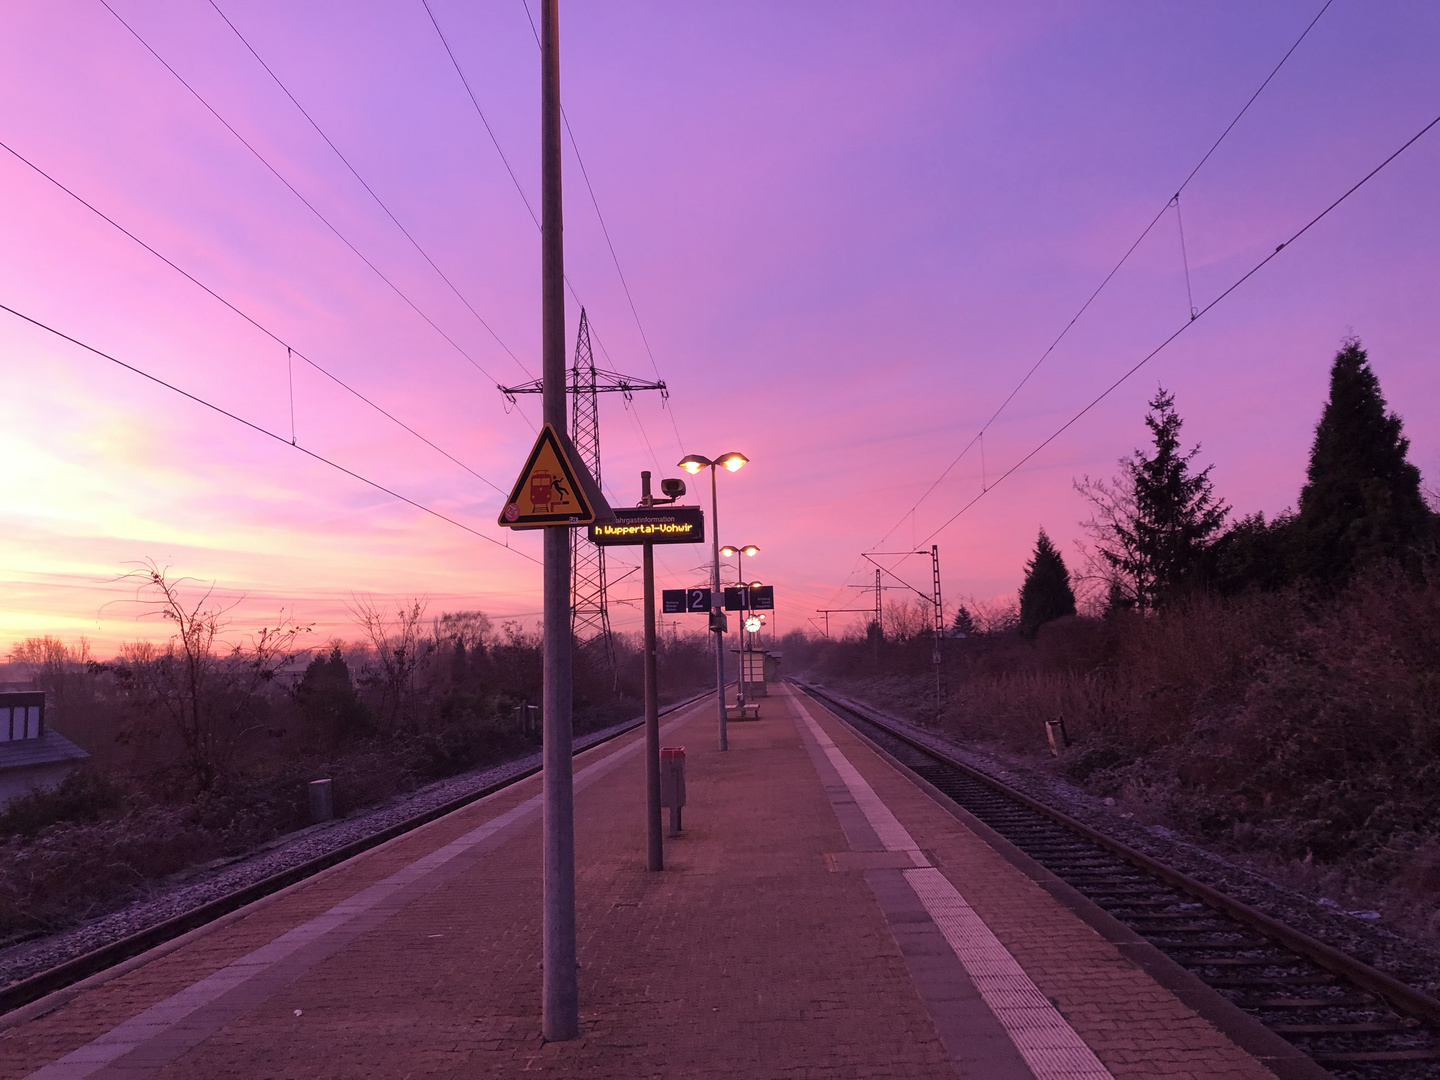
654	842
561	986
322	801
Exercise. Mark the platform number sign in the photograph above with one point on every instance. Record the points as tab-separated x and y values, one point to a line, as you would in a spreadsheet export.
675	601
755	598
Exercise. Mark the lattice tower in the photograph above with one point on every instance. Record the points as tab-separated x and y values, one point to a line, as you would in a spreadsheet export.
589	606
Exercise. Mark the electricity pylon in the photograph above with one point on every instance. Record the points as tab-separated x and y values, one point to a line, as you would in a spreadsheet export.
589	608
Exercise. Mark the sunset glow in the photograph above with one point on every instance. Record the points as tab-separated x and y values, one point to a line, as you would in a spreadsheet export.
848	231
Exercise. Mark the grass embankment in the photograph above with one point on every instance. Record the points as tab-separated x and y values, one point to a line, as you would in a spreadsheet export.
1302	735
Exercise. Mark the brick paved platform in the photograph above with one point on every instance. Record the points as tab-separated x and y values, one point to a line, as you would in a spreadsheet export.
821	916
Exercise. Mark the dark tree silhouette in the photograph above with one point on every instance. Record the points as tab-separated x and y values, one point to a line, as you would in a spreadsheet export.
964	622
1154	523
1046	594
327	696
1362	499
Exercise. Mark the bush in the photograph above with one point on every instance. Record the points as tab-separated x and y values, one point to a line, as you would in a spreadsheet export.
84	795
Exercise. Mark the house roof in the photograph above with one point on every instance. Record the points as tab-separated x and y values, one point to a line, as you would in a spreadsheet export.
46	750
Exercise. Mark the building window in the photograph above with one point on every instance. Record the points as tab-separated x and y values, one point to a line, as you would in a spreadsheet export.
20	722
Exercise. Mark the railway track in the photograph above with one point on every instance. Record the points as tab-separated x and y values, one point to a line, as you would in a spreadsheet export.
1355	1021
105	957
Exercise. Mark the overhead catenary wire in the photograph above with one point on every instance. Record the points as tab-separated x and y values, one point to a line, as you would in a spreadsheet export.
365	184
308	204
595	202
1065	330
290	350
481	112
605	230
569	285
40	324
1282	246
1184	258
505	160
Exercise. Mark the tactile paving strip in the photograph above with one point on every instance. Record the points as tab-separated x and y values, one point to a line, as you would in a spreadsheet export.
1046	1041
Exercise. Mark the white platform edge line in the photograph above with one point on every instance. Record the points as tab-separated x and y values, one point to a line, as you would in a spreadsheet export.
1045	1039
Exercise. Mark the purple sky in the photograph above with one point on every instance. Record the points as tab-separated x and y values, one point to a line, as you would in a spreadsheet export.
848	228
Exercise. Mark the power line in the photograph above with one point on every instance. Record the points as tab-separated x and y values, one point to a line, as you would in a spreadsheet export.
378	201
290	350
475	101
454	60
1113	271
262	430
296	192
585	173
1188	323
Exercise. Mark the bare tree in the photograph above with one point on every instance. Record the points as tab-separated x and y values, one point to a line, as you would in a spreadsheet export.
996	616
1100	578
466	627
397	643
40	654
907	619
207	690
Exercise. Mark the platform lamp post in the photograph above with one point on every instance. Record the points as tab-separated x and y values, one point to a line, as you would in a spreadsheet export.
740	553
693	463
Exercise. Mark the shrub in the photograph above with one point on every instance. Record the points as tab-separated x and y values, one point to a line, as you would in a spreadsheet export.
84	795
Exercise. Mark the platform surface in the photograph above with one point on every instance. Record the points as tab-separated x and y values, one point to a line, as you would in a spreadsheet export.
821	916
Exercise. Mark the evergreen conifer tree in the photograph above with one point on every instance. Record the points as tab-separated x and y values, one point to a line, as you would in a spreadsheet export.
1046	594
1362	499
964	624
1160	546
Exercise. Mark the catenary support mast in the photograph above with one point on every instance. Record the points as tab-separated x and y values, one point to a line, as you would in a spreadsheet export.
561	991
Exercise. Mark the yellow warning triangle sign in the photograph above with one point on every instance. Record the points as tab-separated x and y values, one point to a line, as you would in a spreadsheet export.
554	488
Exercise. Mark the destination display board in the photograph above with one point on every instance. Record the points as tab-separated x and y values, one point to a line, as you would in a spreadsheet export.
676	601
759	598
651	525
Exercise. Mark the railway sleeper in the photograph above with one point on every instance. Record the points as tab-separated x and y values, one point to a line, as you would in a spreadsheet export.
1327	1057
1120	910
1355	1001
1213	941
1383	1028
1322	978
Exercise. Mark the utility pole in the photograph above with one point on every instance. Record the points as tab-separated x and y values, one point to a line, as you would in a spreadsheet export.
879	617
561	985
654	842
939	627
